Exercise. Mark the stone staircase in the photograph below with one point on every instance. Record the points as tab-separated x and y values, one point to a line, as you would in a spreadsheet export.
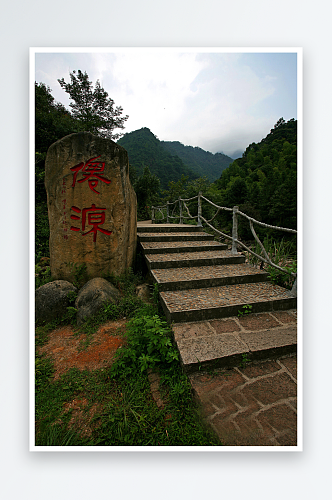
200	280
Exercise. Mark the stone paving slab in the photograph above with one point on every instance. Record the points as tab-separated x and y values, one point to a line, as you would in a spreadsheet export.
160	228
206	276
192	259
153	247
247	400
205	254
252	405
175	236
227	342
222	301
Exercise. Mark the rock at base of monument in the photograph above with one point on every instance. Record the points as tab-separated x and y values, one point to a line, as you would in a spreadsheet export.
92	296
144	293
51	300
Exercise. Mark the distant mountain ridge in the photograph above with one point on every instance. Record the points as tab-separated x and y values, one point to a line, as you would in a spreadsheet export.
145	149
203	163
169	160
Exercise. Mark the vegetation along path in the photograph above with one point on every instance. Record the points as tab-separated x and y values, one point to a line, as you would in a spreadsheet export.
235	332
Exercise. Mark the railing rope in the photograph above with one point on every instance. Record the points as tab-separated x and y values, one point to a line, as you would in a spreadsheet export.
234	238
269	262
217	206
267	225
199	209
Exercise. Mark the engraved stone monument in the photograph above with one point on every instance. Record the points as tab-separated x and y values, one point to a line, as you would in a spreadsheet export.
91	207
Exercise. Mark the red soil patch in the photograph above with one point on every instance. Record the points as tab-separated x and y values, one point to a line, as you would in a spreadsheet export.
64	347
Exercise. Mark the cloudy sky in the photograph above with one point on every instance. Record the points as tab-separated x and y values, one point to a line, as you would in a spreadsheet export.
218	100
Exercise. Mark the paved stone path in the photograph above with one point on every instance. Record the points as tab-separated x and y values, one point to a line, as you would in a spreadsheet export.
254	405
246	404
243	370
225	343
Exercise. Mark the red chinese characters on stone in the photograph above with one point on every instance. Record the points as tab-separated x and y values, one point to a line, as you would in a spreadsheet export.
64	221
92	216
91	172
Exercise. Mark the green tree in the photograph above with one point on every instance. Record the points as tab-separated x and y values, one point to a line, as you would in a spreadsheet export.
92	106
147	189
236	192
280	122
52	122
176	189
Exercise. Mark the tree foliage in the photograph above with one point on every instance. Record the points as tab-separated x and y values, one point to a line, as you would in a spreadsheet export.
52	122
264	181
52	119
202	163
147	188
92	107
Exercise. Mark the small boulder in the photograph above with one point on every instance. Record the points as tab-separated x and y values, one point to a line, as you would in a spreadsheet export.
144	293
51	300
92	296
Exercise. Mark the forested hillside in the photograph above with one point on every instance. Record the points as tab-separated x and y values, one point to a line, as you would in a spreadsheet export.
203	163
264	181
145	150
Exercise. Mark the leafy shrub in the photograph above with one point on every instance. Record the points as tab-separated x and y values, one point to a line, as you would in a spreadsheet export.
148	343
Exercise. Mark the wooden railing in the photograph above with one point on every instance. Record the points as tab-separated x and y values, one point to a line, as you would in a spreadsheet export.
181	203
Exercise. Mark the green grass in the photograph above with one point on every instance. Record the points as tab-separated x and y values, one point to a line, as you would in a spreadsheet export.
125	411
282	253
128	416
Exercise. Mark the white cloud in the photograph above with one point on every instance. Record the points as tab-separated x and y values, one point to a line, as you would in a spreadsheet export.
152	88
220	114
216	101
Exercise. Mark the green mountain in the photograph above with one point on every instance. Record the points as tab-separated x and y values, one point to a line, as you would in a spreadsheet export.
144	149
264	181
203	163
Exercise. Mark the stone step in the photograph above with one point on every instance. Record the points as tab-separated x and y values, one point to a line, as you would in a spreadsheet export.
229	342
175	236
162	228
192	259
181	246
223	301
184	278
203	288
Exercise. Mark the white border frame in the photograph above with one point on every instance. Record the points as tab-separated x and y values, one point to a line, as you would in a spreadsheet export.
299	52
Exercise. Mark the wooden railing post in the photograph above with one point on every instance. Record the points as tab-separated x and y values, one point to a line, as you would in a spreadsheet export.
234	230
167	208
199	209
152	215
180	208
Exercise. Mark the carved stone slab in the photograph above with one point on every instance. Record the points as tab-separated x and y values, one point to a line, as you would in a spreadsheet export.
91	207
